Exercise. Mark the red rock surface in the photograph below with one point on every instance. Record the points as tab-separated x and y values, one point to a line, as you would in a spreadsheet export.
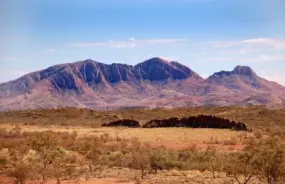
201	121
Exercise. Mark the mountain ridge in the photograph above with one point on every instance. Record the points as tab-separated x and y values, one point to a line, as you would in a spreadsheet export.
152	83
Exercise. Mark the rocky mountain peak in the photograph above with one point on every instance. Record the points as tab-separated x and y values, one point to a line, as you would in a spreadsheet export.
153	62
155	82
156	69
243	70
156	60
89	61
238	70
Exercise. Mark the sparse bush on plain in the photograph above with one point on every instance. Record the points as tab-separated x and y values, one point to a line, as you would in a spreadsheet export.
63	155
21	173
214	160
262	158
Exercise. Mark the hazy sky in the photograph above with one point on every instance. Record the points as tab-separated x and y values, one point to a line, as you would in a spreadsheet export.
206	35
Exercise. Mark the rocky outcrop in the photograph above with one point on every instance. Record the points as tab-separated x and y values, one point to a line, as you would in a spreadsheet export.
243	70
238	70
201	121
123	122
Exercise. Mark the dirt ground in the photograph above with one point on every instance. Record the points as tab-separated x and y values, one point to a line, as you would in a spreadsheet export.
127	176
6	180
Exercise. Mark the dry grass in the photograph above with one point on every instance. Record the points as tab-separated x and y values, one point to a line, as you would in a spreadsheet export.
127	176
87	123
176	138
253	116
6	180
159	135
171	177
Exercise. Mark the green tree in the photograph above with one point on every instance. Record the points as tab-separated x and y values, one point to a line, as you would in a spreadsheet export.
242	167
94	156
262	158
21	172
47	147
140	161
3	163
59	164
140	158
157	159
214	160
271	159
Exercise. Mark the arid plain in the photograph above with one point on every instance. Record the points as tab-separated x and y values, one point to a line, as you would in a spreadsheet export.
79	150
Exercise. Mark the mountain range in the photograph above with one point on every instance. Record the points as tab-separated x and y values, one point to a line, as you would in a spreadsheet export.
153	83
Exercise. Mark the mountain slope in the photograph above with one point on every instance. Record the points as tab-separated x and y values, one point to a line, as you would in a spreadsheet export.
152	83
243	81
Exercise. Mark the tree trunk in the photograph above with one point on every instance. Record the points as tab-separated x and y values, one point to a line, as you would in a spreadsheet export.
155	171
21	181
44	178
142	172
58	181
213	173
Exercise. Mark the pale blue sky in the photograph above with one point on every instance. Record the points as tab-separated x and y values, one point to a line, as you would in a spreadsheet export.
206	35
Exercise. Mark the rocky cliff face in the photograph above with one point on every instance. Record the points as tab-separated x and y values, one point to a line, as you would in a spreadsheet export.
152	83
68	77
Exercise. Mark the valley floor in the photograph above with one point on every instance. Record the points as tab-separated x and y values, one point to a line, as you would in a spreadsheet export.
173	138
77	132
